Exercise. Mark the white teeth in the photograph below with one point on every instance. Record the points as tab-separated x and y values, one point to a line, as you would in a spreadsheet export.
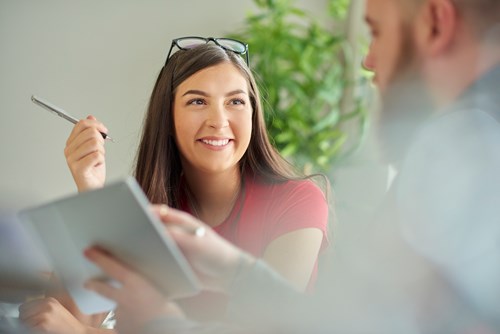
221	142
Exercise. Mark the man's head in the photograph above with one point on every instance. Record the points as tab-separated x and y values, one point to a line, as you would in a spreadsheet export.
482	14
392	45
425	53
442	40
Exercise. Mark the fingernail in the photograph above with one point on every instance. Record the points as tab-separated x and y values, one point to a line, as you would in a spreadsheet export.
163	210
87	253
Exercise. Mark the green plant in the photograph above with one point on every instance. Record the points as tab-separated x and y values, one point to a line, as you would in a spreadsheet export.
303	70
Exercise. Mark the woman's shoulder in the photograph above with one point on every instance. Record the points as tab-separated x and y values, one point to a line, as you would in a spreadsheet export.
293	187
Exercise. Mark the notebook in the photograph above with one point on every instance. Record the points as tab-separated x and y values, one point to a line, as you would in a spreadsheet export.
118	219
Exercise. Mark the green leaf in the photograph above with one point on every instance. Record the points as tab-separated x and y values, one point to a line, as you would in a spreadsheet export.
328	122
303	68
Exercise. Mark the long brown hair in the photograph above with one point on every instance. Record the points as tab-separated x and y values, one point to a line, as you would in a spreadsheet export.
158	166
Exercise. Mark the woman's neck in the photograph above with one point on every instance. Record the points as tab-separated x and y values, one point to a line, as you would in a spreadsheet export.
212	196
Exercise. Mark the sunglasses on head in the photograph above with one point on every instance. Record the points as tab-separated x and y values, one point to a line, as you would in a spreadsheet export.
229	44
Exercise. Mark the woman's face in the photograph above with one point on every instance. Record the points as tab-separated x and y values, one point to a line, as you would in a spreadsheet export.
213	119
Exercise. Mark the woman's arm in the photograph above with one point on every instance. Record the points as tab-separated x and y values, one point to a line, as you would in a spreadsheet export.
297	229
294	255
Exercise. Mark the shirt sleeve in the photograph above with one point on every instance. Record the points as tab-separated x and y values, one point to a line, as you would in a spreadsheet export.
301	205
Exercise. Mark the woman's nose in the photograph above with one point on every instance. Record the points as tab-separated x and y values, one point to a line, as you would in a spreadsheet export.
217	117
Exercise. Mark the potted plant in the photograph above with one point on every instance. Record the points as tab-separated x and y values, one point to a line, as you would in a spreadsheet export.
304	72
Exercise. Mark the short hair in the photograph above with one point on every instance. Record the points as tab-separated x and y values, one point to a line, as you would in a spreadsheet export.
484	15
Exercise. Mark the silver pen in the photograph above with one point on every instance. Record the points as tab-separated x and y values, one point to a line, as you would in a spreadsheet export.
61	113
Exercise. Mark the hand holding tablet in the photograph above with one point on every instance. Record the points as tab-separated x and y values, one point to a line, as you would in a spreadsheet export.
116	218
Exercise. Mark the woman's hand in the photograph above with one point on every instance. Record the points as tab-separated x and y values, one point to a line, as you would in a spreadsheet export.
138	301
59	292
215	261
85	154
47	315
58	313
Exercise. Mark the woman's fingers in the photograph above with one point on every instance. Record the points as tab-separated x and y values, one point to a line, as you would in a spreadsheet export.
88	141
182	226
105	289
108	264
48	315
35	307
174	217
29	309
86	132
112	268
89	161
89	122
85	154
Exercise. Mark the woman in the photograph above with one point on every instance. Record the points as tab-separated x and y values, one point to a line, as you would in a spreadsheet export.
205	150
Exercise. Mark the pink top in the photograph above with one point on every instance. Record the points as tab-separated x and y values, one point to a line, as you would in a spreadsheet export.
262	213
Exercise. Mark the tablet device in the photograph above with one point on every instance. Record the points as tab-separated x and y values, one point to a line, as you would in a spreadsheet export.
117	218
23	262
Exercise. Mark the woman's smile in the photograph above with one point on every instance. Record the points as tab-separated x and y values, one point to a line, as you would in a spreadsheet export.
215	144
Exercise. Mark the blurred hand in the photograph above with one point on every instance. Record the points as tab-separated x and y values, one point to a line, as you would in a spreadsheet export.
214	260
85	154
138	301
47	315
59	292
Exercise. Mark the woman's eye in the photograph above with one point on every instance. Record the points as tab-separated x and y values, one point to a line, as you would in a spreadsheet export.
237	102
196	102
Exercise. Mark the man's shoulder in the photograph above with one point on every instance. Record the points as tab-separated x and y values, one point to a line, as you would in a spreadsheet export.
458	134
456	151
447	187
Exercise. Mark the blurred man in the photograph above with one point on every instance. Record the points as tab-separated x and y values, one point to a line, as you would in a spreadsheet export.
440	127
429	260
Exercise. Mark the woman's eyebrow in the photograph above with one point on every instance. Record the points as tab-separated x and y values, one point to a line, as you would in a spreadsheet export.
195	92
202	93
236	91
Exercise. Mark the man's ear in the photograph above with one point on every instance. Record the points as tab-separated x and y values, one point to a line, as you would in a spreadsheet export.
441	20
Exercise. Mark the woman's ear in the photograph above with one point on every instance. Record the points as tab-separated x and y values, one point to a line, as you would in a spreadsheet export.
439	22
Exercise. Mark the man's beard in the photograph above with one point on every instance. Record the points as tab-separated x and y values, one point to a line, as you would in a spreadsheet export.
406	103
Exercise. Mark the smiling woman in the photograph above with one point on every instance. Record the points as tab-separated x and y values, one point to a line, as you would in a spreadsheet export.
212	111
205	150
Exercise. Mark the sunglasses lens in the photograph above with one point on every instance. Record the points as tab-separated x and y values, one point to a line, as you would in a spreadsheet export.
232	45
191	42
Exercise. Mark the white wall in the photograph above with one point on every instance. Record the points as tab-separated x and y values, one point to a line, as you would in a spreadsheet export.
88	57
